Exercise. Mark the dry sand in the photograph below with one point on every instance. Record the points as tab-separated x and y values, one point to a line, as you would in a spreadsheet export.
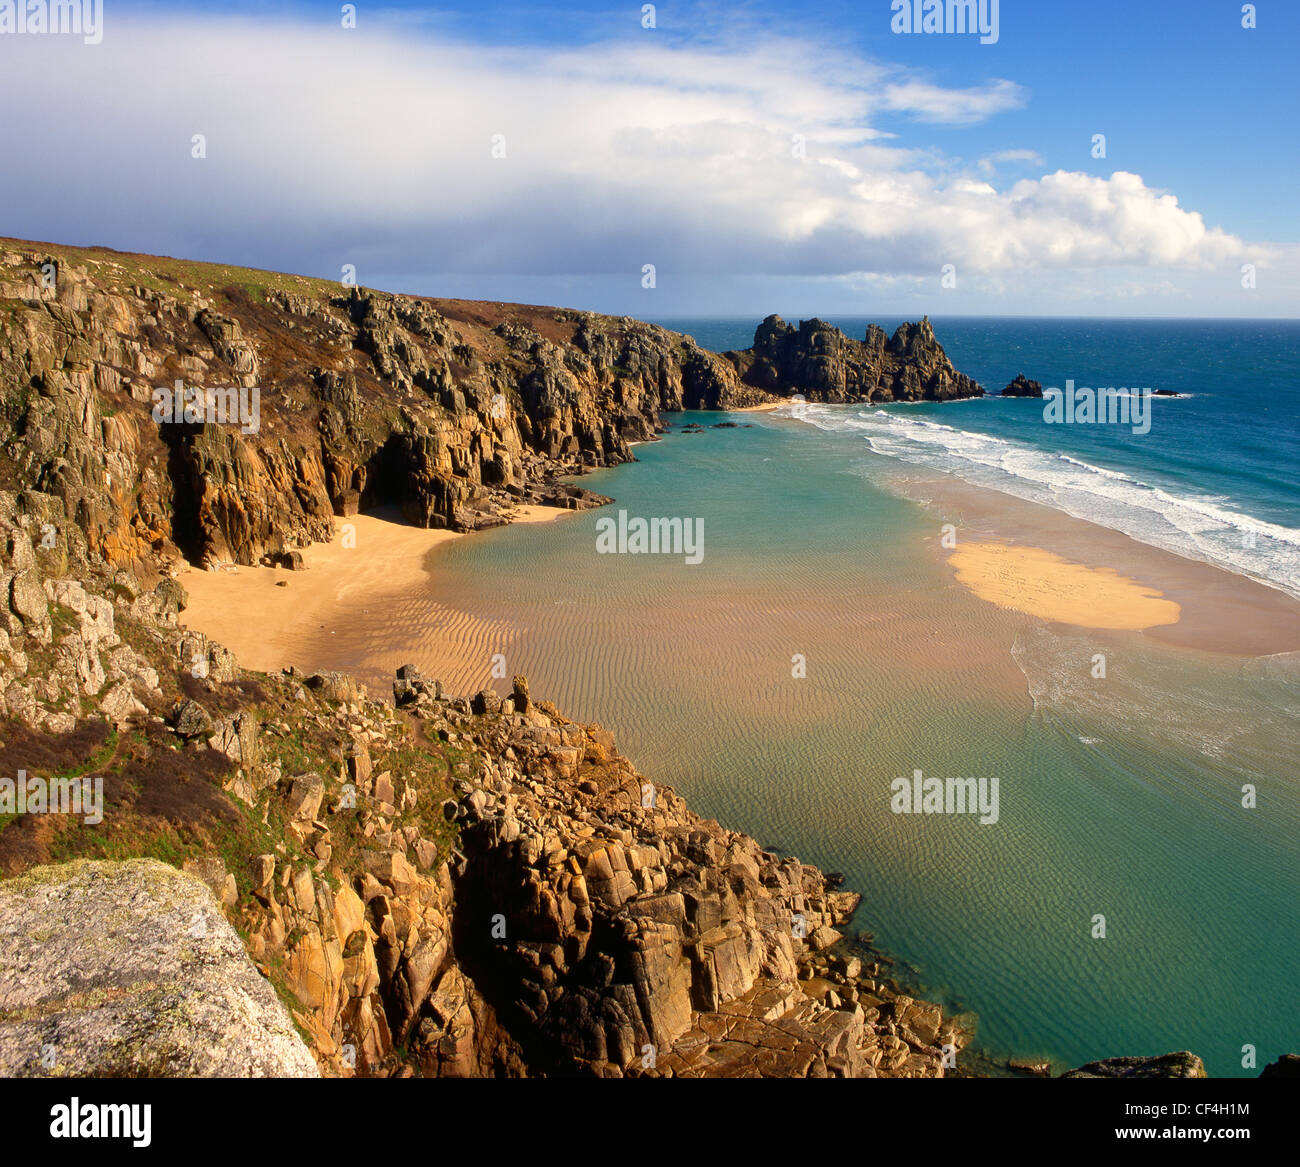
1034	581
271	617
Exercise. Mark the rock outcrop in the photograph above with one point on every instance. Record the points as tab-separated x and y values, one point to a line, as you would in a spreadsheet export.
452	887
1287	1066
130	969
454	411
1022	386
625	935
822	364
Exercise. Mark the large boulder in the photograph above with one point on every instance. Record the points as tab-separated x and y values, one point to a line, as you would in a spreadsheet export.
129	969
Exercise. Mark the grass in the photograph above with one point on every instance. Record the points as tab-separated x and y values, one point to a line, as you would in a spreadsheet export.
180	279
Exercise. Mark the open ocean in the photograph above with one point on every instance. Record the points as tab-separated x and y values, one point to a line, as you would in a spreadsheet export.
1119	798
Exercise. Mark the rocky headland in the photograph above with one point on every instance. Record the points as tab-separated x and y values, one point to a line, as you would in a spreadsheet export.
820	363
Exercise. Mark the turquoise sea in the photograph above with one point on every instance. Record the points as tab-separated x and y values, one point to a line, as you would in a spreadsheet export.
1119	797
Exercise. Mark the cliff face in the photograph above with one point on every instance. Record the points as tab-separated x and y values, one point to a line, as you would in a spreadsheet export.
823	364
456	411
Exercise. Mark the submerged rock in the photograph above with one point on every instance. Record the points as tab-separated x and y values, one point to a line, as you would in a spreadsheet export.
1182	1064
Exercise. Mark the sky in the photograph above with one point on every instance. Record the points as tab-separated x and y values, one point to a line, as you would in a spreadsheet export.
683	158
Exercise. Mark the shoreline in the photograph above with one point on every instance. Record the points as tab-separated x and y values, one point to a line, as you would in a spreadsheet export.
987	518
1018	555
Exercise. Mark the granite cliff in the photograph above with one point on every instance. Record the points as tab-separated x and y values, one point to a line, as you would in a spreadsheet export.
821	363
442	886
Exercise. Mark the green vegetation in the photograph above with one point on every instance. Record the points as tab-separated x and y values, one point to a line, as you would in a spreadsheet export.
181	278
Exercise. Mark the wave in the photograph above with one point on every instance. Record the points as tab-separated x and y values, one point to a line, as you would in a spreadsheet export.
1196	527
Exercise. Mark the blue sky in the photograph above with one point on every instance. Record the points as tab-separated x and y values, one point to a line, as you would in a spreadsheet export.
932	172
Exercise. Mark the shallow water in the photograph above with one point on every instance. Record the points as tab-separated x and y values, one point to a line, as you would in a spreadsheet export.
1118	797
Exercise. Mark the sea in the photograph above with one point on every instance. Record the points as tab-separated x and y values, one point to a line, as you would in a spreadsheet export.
1139	891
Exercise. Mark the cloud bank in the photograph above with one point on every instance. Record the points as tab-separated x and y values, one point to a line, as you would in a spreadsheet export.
412	153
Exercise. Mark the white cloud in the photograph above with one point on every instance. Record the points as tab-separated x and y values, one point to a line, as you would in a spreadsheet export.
327	147
954	107
989	164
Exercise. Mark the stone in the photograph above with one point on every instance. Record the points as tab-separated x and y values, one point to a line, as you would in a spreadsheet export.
1287	1066
1023	387
191	720
120	705
391	868
129	969
822	938
1182	1064
306	793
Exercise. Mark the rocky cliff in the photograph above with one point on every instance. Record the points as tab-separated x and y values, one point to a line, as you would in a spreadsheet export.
445	886
455	411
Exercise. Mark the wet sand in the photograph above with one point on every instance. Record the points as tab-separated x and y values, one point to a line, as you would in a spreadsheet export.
375	605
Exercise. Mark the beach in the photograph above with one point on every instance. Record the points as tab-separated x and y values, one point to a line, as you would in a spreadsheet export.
368	572
1080	573
1038	583
361	604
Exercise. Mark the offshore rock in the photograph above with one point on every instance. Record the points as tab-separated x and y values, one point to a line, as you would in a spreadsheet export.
1176	1065
1022	386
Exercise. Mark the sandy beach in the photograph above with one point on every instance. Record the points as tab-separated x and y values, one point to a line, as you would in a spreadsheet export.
1038	583
271	617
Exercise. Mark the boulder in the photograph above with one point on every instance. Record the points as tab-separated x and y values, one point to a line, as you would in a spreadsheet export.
129	969
192	720
1176	1065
